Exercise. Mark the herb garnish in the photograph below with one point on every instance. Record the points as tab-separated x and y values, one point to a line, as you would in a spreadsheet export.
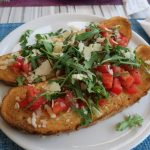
20	80
24	38
129	122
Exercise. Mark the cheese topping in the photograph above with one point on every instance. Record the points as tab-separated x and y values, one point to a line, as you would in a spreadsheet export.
53	87
79	76
44	69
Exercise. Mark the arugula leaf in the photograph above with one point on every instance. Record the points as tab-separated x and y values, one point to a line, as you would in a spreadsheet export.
40	37
24	38
51	96
33	61
106	45
48	46
85	116
130	122
20	80
99	89
119	60
94	109
86	35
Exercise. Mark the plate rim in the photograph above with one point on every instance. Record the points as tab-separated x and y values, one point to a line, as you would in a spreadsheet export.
136	140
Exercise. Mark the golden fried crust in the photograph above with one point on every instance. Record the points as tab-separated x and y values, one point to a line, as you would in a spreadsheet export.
125	27
7	75
70	121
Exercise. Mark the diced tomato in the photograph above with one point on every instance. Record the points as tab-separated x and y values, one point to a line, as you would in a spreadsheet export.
15	68
137	76
117	69
59	106
127	67
37	103
132	89
26	68
107	80
20	60
20	66
81	104
126	79
116	88
32	91
102	68
123	41
68	98
24	103
102	102
104	34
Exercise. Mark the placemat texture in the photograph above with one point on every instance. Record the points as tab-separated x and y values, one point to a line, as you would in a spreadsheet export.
6	143
58	2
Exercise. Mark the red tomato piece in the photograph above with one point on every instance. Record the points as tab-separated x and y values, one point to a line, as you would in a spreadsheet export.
81	104
137	76
15	68
26	68
20	66
127	67
116	88
102	102
132	89
19	60
37	103
123	41
117	69
24	103
126	80
104	34
59	106
68	98
102	68
107	80
32	91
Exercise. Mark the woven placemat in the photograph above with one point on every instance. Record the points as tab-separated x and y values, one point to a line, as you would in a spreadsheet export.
6	143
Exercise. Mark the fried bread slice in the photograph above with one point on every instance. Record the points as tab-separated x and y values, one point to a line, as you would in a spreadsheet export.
69	121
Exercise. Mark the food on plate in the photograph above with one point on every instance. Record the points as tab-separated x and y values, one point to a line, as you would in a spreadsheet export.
34	62
90	89
129	122
92	74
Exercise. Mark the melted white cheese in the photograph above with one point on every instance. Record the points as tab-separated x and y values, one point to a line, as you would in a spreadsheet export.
79	76
53	87
44	69
87	50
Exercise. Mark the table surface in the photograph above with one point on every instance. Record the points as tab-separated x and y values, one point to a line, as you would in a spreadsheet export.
25	14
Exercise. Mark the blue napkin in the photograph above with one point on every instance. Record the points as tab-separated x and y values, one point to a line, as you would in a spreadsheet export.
6	143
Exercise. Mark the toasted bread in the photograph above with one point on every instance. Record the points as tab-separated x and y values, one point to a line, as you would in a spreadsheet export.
9	77
6	74
70	121
125	27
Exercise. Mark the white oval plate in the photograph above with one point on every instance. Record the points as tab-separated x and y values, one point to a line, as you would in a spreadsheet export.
100	136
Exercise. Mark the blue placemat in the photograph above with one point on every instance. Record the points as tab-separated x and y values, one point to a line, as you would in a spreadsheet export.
6	143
